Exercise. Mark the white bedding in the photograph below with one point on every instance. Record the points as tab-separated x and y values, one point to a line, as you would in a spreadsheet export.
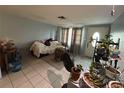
39	48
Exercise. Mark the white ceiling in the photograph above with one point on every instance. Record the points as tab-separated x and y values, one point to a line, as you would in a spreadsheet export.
77	15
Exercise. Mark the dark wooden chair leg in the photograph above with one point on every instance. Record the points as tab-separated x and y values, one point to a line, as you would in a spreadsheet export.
115	63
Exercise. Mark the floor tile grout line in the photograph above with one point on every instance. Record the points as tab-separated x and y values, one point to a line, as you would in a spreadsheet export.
32	76
41	76
53	67
10	79
28	79
44	78
12	82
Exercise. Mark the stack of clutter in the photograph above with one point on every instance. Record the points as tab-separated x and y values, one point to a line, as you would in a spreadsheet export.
15	62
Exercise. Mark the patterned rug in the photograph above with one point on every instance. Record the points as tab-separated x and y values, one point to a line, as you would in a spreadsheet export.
51	61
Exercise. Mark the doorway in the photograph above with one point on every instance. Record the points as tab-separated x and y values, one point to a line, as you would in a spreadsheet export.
94	32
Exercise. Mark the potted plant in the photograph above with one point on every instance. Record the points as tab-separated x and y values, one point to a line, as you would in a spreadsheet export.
115	84
76	71
112	72
97	74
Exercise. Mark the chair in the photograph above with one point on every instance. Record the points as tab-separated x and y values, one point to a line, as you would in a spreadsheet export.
68	63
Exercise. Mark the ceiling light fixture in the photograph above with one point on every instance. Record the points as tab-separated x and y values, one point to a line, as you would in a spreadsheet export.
62	17
113	11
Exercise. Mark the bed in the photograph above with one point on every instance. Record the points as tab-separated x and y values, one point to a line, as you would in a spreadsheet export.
39	48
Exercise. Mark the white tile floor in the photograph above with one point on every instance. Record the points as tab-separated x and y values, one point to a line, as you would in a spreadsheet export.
41	73
37	73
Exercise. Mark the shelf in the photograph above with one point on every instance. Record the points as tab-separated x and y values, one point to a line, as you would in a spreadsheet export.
108	43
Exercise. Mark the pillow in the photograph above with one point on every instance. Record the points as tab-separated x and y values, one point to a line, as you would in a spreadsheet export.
47	43
55	43
50	39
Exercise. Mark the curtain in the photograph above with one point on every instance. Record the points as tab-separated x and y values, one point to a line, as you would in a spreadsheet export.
59	34
62	35
72	38
76	41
